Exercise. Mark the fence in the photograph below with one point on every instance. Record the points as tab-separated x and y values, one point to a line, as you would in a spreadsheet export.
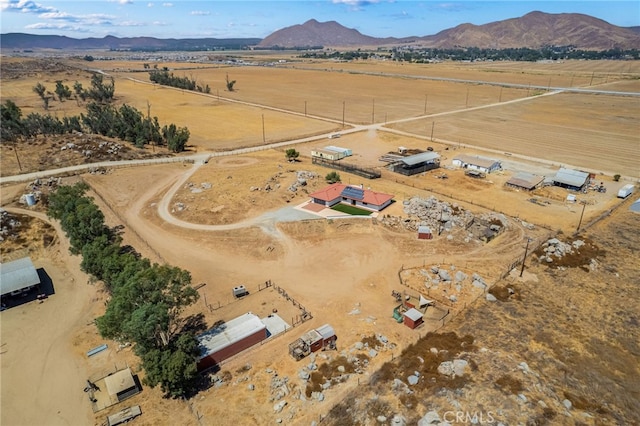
346	167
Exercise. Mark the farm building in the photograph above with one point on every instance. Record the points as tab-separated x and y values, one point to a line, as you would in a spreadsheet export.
412	318
571	179
471	162
417	163
18	276
230	338
331	152
345	151
352	195
635	207
523	180
424	233
314	340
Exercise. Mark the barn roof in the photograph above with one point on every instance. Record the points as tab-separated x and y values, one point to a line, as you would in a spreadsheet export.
571	177
119	382
475	160
423	157
525	180
336	148
17	275
413	314
229	333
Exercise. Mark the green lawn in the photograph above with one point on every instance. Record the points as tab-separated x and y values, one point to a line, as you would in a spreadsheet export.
355	211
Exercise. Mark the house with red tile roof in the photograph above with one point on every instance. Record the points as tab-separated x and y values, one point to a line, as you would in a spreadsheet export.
354	195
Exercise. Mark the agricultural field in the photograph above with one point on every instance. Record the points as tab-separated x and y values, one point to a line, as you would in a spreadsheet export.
235	219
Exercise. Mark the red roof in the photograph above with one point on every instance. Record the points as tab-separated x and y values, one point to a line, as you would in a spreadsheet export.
335	190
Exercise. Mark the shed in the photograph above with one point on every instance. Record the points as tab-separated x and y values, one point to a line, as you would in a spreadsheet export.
18	276
412	318
417	163
230	338
424	233
474	162
327	154
571	179
121	385
525	180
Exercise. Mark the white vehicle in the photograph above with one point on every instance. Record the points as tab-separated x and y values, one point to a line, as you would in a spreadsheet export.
626	190
335	136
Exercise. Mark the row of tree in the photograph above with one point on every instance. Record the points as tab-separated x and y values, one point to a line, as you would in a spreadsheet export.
100	91
147	300
167	78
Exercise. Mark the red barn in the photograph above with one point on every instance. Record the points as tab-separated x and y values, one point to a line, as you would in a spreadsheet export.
424	233
229	339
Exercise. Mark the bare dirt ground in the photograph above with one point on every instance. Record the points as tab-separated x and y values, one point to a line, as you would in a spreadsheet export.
343	272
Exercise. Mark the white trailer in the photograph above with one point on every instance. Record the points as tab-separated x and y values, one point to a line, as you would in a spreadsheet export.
626	190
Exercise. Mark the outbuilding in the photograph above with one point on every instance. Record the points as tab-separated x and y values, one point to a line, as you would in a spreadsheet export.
412	318
524	180
345	152
424	233
230	338
17	277
474	162
574	180
121	385
635	207
418	163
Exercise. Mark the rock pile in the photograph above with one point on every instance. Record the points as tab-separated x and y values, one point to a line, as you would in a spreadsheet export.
554	248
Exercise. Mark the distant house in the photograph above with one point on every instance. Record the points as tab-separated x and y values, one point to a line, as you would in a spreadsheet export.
418	163
471	162
574	180
352	195
523	180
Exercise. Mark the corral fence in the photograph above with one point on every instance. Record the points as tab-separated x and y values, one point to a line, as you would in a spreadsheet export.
346	167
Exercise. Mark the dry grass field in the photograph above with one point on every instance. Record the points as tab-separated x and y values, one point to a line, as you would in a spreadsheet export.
343	271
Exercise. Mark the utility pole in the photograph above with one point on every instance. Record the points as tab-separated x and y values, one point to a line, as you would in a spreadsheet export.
15	150
433	124
263	136
426	97
373	112
305	108
584	204
526	249
343	114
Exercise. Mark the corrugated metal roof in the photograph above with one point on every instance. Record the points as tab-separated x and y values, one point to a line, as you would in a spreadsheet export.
17	275
229	333
337	149
326	331
571	177
422	229
423	157
413	314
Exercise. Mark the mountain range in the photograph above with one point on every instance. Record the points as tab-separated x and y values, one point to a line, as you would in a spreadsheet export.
533	30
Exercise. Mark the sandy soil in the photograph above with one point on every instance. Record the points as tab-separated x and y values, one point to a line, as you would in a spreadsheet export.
343	272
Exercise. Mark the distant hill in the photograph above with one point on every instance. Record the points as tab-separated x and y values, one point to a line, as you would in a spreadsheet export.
533	30
30	41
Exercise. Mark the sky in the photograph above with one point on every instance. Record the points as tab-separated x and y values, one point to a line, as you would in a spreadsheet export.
259	18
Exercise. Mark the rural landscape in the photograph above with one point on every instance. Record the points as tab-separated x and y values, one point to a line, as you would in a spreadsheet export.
307	240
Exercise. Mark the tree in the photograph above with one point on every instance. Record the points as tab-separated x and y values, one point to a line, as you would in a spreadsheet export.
616	177
291	154
176	138
42	92
230	83
332	177
62	91
11	116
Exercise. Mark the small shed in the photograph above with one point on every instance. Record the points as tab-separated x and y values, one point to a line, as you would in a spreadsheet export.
327	154
424	233
18	276
416	163
412	318
121	385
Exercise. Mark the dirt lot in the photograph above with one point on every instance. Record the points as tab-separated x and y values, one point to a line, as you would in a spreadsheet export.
342	271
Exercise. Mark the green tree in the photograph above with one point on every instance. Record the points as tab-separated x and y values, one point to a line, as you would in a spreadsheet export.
616	177
11	116
175	137
291	154
230	84
62	91
332	177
